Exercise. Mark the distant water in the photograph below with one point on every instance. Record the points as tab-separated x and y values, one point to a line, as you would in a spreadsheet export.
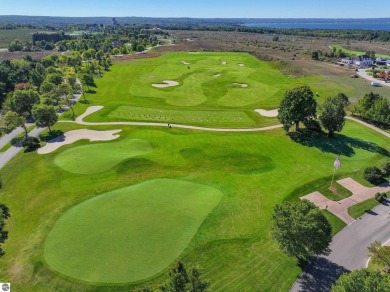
325	25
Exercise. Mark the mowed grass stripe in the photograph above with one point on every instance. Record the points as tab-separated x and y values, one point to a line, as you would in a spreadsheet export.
129	234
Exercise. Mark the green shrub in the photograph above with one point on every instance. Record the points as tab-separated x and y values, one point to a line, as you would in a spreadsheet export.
386	168
373	175
380	197
31	144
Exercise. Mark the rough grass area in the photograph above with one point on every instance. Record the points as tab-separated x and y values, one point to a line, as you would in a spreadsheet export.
233	245
129	84
129	234
100	157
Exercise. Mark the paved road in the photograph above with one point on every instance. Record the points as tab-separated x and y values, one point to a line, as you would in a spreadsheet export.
362	73
4	140
14	150
348	251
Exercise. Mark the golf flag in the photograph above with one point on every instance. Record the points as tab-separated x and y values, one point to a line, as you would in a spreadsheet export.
337	163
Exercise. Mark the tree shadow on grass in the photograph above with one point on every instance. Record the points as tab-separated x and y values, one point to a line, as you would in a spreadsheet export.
340	144
320	275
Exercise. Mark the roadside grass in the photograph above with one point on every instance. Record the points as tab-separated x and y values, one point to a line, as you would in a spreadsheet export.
336	222
233	245
18	137
360	209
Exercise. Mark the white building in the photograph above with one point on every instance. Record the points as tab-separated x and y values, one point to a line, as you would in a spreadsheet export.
362	61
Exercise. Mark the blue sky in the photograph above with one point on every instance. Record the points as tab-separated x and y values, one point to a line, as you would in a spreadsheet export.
196	8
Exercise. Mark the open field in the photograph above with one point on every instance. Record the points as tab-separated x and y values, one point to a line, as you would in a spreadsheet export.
232	244
358	53
8	36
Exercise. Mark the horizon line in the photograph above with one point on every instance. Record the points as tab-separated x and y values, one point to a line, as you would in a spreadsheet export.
189	17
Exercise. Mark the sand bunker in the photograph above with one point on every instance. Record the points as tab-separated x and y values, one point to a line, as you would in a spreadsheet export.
243	85
269	114
216	75
224	63
76	135
185	63
166	83
241	65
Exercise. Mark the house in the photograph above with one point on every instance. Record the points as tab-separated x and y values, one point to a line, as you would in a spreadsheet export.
360	61
363	61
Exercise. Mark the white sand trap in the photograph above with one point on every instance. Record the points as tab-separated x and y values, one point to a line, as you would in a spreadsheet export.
185	63
269	114
216	75
243	85
89	111
76	135
166	83
224	63
241	65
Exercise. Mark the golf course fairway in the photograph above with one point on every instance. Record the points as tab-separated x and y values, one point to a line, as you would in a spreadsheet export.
131	233
100	157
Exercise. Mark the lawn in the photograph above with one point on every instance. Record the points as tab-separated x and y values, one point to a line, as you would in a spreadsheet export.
209	93
137	231
231	243
360	209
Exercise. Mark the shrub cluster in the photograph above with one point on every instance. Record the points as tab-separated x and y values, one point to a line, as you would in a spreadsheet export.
31	144
376	176
380	197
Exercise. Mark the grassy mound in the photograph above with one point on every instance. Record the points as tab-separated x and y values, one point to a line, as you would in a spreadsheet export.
99	157
131	233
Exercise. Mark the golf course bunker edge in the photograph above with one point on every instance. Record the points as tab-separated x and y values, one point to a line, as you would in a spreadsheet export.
129	234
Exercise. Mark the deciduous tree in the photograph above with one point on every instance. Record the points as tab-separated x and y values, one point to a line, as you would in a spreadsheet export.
301	229
333	115
297	106
45	116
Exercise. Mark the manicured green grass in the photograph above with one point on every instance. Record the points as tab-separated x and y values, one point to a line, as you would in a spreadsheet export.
337	223
199	94
198	118
357	53
233	245
359	209
102	156
136	231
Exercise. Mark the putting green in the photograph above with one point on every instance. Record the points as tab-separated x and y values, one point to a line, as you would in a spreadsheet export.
99	157
131	233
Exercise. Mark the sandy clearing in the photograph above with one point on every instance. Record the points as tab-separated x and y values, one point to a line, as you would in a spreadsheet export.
224	63
185	63
216	75
269	114
243	85
166	83
241	65
76	135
